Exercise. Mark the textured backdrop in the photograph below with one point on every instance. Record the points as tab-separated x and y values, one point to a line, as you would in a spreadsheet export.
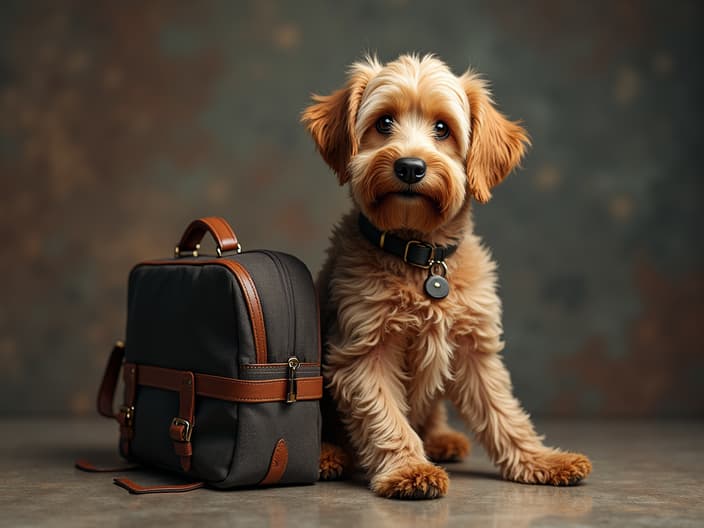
122	121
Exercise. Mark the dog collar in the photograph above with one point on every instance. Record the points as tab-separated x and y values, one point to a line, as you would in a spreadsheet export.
414	252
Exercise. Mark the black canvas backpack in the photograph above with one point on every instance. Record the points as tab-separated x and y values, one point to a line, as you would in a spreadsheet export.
221	367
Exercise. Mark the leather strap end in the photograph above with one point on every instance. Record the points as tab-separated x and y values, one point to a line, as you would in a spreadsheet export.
277	465
136	489
85	465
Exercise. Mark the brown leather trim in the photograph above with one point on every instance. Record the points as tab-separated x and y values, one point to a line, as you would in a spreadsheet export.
219	229
135	488
254	307
160	377
84	465
277	466
256	390
249	291
106	393
229	389
183	450
179	433
229	238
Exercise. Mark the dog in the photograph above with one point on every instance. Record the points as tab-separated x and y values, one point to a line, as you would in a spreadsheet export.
409	307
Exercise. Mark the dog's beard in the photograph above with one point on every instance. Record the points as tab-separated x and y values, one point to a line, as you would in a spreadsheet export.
397	211
393	205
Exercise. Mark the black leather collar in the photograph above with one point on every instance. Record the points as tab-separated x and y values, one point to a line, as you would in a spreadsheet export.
414	252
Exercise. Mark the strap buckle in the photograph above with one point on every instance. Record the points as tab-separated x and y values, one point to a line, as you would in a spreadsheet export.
431	257
185	432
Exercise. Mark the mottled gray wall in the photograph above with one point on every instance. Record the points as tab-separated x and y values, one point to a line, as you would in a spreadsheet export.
121	121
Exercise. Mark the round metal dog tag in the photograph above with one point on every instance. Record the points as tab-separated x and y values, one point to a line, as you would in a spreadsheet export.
437	287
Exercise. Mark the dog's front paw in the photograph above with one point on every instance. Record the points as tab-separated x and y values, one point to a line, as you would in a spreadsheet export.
413	481
447	446
334	462
554	467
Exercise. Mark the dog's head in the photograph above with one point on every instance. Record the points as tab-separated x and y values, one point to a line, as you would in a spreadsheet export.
414	140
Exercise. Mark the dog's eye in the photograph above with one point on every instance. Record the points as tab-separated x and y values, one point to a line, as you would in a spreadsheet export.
385	124
442	131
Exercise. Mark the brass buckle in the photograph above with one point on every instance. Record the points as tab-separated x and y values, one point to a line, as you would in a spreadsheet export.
128	411
423	244
187	428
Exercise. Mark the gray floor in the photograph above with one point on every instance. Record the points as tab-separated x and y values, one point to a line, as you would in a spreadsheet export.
645	474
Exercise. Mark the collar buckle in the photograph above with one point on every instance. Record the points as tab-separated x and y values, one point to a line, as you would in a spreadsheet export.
431	257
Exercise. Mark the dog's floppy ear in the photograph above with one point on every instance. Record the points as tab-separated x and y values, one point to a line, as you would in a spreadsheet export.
496	144
331	119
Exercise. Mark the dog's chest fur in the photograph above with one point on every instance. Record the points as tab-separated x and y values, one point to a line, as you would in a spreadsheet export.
375	302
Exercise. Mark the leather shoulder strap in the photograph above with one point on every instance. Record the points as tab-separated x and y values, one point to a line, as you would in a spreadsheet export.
106	393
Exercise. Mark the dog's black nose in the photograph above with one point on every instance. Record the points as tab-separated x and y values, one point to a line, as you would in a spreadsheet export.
409	170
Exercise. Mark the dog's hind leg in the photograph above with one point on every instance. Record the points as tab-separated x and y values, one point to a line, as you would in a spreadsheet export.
335	452
334	462
441	442
483	394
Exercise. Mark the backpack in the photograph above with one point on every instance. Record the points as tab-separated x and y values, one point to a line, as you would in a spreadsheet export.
221	367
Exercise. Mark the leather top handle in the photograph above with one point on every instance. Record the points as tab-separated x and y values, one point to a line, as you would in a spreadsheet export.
218	228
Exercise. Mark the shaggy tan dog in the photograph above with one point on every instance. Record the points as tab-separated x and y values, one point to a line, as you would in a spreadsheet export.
415	143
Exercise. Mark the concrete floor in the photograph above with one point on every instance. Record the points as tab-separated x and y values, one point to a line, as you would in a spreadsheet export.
645	474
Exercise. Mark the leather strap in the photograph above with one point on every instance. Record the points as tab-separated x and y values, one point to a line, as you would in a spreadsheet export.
106	397
257	390
277	466
229	389
85	465
182	425
220	230
135	488
415	252
249	291
254	306
106	393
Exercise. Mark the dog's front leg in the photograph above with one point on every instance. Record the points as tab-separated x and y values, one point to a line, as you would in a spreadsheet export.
369	387
483	394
